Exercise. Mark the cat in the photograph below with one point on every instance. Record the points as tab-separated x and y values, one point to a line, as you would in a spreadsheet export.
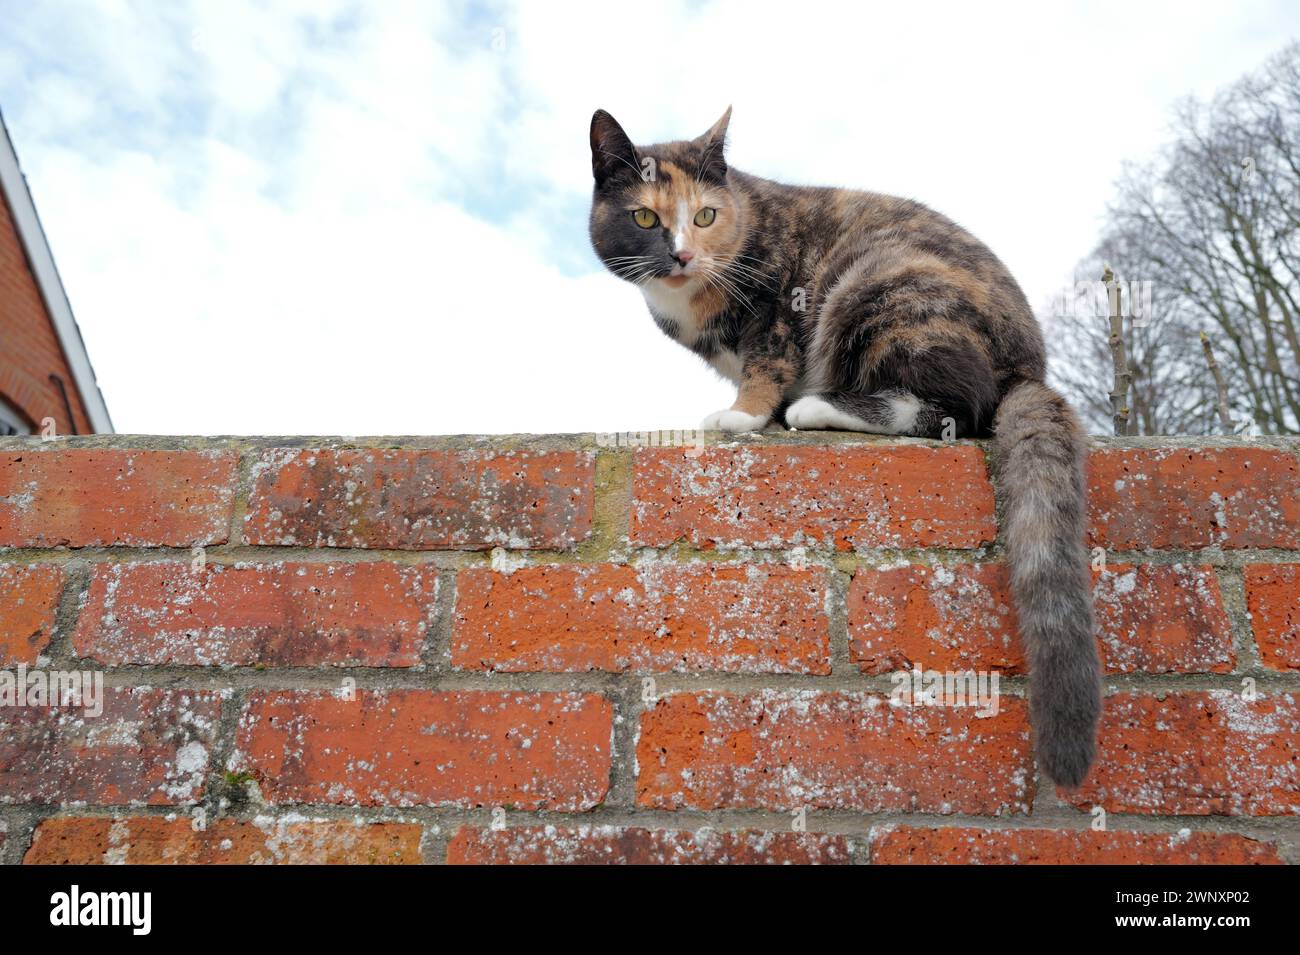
839	309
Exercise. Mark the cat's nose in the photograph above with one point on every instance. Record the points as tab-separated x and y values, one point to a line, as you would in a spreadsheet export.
683	256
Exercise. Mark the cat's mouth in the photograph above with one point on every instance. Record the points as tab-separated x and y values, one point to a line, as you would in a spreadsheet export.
678	275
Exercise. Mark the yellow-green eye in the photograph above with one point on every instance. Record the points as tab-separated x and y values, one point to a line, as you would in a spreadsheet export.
645	218
705	217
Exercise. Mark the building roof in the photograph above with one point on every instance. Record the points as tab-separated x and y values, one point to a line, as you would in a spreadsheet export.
13	184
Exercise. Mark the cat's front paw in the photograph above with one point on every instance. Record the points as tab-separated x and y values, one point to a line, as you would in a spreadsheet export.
734	421
812	413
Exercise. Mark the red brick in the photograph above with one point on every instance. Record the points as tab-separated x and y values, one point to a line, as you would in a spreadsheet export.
90	498
419	747
149	746
1196	754
1150	618
29	599
1194	497
290	614
1273	599
765	618
784	750
942	618
912	845
421	500
154	840
1162	619
610	845
842	497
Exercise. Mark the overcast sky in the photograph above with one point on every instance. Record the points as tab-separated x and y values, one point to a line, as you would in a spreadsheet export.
343	218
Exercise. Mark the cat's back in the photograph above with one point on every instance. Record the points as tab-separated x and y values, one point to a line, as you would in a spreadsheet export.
837	224
868	246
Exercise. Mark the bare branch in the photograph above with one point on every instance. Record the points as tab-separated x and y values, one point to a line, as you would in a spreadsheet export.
1123	375
1221	386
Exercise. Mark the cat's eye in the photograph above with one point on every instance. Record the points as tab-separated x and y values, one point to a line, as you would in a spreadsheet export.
645	218
705	217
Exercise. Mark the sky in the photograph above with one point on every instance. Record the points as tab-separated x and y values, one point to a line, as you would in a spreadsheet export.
347	218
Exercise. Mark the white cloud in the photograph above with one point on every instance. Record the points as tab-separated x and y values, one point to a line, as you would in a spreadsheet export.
364	219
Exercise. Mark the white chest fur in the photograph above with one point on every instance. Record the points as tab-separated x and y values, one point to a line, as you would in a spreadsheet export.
674	305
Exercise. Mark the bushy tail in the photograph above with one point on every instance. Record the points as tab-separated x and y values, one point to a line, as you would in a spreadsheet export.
1040	448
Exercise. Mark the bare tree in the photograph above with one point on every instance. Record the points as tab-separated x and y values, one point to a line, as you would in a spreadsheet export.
1209	235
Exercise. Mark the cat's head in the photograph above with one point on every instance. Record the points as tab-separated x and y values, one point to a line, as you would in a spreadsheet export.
663	213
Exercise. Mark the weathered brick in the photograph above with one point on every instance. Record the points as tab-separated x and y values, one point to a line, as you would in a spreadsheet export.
29	599
1273	599
1150	618
418	747
1196	754
154	840
787	749
294	614
1162	619
933	617
610	845
421	500
149	746
88	498
913	845
1194	497
764	618
751	739
844	497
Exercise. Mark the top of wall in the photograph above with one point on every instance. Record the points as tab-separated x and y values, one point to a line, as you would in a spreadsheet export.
601	441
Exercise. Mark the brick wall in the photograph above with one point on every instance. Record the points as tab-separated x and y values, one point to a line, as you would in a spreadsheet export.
547	649
29	349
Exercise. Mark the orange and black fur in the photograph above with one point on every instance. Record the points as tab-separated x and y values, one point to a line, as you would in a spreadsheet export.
831	308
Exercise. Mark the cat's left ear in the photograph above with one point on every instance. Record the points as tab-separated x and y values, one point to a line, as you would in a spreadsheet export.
714	144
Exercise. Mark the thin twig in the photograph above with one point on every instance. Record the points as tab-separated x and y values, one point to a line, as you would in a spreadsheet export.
1123	375
1225	418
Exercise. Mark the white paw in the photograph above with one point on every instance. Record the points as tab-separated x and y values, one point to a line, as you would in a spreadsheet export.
731	420
811	413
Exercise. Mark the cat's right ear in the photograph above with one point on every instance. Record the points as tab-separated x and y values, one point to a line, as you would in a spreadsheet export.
611	151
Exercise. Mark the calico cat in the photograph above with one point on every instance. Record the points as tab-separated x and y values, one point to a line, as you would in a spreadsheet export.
838	309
